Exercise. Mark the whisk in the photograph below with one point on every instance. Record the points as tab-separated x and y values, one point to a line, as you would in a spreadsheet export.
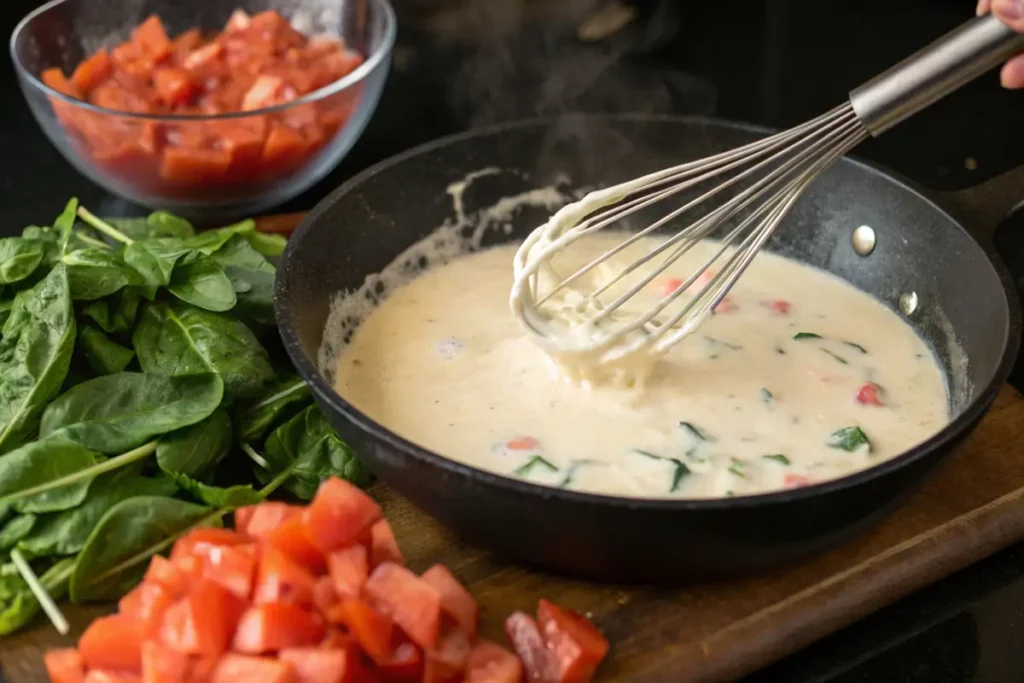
581	330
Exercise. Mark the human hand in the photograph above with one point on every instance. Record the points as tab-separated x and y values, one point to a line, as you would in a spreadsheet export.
1011	13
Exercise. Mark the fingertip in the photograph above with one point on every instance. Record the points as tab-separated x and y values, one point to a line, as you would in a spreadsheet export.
983	7
1012	74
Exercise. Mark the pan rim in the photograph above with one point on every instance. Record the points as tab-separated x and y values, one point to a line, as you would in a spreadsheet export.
959	426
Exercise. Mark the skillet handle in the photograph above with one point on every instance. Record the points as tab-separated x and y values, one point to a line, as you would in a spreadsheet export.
983	207
930	74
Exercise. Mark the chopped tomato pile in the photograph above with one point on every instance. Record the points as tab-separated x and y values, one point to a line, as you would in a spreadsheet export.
316	594
254	62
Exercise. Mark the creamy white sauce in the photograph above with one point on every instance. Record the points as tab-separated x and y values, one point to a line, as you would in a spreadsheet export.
739	407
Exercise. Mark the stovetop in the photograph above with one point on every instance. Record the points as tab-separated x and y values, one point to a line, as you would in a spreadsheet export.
771	62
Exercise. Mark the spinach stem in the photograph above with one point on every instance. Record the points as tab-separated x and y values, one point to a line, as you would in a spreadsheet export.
277	481
45	601
297	385
256	457
101	225
92	241
114	463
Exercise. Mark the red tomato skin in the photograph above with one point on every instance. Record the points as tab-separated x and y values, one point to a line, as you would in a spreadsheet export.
266	517
112	643
491	663
446	660
161	664
271	627
403	665
64	666
410	601
339	514
316	665
281	579
198	542
146	603
870	394
168	574
373	631
383	546
202	622
232	567
780	306
293	538
538	661
349	569
575	643
236	668
243	516
456	601
101	676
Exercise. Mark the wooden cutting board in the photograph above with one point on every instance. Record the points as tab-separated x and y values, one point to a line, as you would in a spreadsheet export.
973	507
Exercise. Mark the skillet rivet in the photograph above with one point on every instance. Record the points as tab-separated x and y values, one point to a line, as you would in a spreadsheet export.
908	303
864	240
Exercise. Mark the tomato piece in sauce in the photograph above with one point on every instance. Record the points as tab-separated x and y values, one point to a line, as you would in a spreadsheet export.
870	394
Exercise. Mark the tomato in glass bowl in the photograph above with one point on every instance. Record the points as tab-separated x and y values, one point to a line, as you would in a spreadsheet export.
204	107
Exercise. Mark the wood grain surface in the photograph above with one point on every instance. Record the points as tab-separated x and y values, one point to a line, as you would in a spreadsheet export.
973	507
709	633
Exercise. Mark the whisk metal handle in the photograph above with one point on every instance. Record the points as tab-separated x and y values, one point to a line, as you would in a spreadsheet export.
930	74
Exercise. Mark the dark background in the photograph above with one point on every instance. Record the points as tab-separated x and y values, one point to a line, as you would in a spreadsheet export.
773	62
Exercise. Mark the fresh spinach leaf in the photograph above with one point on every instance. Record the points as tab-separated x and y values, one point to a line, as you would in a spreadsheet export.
195	451
18	528
268	244
65	224
38	463
19	258
103	355
202	282
6	306
252	277
210	241
308	445
176	339
115	313
282	397
155	259
113	559
115	413
96	273
154	226
220	496
65	533
35	354
847	439
17	604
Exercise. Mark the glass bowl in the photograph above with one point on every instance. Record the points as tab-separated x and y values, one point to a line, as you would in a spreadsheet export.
168	161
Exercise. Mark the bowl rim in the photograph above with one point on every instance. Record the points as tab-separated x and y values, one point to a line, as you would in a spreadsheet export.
369	65
951	433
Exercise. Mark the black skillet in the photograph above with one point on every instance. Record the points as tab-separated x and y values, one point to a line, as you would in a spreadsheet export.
966	309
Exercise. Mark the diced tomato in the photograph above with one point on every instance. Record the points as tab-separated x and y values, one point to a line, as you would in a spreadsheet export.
339	514
780	306
455	599
151	39
266	517
283	147
146	603
383	546
538	662
271	627
113	643
446	660
576	645
316	665
243	516
403	664
523	443
203	621
202	669
188	165
203	56
101	676
795	480
669	285
281	579
234	668
93	71
161	664
372	630
186	42
198	542
263	93
870	394
232	567
173	85
64	665
324	595
490	663
56	79
238	21
410	601
349	570
293	538
726	306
